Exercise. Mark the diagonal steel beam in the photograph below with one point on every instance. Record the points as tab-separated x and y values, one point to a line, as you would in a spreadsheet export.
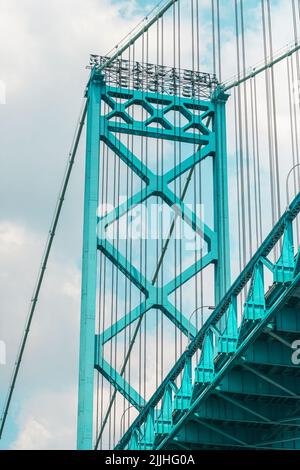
120	384
281	441
128	269
278	338
219	431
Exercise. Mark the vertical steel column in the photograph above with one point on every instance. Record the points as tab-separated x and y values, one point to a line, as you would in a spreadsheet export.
221	219
89	269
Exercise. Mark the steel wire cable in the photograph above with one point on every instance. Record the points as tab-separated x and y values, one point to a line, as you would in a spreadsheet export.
295	85
194	154
274	112
258	160
131	241
157	215
213	35
239	227
146	245
162	219
105	269
219	41
246	134
180	187
293	146
269	115
240	146
127	281
201	287
142	252
117	270
101	312
254	164
175	182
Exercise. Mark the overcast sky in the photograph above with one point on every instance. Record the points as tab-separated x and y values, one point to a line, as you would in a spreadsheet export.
44	48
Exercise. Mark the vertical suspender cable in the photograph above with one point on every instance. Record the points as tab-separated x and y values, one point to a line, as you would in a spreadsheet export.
162	222
101	311
247	156
290	93
267	83
238	188
219	42
176	180
258	161
240	143
254	164
213	35
180	181
276	165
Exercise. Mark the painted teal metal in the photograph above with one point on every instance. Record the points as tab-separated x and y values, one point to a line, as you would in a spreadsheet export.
205	370
254	308
284	268
210	141
164	421
183	397
147	440
227	341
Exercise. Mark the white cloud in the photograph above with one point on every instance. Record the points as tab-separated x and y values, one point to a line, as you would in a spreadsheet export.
33	432
48	378
48	421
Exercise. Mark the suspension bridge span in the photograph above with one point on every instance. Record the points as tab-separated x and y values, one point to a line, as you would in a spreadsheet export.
190	297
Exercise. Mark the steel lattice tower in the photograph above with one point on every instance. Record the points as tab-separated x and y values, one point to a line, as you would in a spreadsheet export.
205	112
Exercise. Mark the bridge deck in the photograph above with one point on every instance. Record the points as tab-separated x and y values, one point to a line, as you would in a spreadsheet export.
238	383
256	402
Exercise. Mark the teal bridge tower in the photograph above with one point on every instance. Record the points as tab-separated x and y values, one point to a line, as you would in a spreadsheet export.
197	97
